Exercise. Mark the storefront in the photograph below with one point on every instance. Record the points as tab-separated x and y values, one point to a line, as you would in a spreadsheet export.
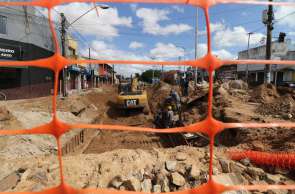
25	81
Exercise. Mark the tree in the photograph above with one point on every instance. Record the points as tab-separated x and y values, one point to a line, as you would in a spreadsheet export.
147	75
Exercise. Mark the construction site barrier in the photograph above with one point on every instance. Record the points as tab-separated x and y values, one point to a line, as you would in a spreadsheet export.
209	126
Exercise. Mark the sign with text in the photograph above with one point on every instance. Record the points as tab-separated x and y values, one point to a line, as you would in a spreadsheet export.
10	52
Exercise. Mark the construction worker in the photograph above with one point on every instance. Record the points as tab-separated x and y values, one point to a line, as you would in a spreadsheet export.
169	117
185	87
176	98
182	82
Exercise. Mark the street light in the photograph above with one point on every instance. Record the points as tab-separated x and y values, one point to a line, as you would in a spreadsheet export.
153	75
101	6
179	57
64	28
248	52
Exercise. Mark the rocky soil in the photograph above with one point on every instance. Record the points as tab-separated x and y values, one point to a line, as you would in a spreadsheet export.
163	170
139	162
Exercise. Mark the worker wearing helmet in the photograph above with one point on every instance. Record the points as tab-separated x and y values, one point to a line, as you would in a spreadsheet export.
169	117
176	98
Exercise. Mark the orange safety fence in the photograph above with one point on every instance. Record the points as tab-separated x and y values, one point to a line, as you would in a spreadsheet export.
209	126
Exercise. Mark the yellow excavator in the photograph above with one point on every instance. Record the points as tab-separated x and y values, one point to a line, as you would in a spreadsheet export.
132	96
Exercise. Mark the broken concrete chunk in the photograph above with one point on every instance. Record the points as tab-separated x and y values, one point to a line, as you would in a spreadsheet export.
116	182
4	114
165	185
229	179
225	165
140	175
177	179
195	172
146	185
132	184
157	188
237	167
181	156
246	161
181	168
273	179
171	165
256	173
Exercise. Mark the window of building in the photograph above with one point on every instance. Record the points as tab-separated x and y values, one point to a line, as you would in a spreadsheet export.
3	25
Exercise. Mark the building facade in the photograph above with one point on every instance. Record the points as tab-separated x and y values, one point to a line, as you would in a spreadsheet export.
279	73
106	73
24	35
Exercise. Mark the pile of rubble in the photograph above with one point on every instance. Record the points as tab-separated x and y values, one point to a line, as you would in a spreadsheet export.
157	94
163	170
4	114
283	107
275	102
264	93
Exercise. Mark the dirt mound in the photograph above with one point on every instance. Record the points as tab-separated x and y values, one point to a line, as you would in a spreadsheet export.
158	93
265	93
235	84
282	107
5	114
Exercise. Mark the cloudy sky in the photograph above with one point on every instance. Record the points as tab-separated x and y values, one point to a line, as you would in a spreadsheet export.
167	32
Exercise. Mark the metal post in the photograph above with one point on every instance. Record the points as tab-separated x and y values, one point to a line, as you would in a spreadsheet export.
267	71
63	47
248	52
196	46
91	68
113	77
153	75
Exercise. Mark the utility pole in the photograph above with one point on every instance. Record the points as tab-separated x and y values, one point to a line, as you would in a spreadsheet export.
196	46
64	26
113	76
91	69
269	23
63	47
248	52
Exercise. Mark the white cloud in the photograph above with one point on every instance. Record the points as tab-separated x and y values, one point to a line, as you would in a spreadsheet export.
102	50
106	51
151	19
135	45
202	50
103	25
133	6
178	8
214	27
166	51
236	36
287	13
222	53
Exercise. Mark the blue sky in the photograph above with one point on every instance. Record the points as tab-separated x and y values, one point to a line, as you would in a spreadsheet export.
166	32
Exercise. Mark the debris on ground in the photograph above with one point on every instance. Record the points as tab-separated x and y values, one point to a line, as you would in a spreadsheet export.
146	161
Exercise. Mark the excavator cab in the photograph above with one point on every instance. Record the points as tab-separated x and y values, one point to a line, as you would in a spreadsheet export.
130	96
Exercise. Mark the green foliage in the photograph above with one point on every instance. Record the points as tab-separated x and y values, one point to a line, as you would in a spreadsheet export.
147	75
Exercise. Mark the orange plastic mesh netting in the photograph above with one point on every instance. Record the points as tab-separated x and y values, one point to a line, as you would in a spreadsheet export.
209	126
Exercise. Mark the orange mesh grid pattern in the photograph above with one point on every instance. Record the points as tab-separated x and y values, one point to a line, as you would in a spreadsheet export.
209	126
